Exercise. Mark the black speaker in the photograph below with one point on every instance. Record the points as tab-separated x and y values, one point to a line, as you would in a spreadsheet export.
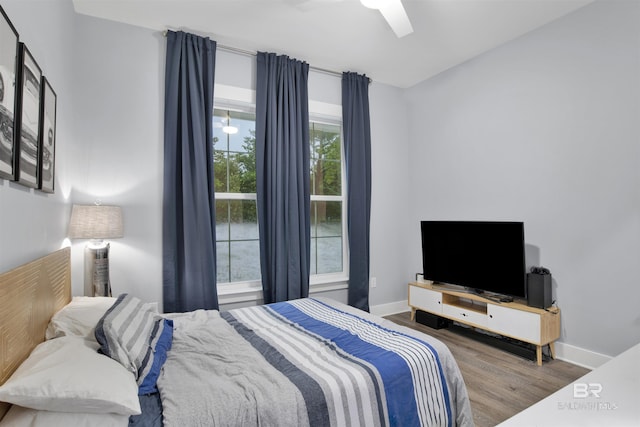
539	290
431	320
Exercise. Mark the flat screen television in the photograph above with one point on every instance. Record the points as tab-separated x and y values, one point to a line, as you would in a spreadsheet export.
480	255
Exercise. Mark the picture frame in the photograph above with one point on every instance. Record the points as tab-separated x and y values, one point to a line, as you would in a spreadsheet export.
29	99
9	52
47	144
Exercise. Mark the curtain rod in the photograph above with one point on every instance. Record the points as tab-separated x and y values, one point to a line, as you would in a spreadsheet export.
251	53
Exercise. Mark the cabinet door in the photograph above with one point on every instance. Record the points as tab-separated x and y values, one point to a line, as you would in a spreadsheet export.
425	299
519	324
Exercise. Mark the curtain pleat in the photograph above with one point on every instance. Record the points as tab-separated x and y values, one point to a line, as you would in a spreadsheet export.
188	212
282	176
357	154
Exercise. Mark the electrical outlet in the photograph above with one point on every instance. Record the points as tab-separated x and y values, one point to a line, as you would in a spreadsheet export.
372	282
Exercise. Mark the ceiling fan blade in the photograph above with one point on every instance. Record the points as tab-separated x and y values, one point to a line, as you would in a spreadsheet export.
397	18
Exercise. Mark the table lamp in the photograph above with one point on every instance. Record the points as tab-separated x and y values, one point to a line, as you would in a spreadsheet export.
96	222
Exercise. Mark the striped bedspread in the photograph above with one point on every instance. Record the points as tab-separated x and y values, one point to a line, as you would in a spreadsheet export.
307	362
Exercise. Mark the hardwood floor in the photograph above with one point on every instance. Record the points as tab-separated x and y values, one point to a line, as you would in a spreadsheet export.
500	384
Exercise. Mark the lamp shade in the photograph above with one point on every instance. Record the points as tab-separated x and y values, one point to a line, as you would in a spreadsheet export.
95	222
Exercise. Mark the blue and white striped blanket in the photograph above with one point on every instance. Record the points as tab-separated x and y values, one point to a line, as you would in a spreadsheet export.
307	362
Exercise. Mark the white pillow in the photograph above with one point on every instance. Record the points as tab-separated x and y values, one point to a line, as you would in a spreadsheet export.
79	317
68	375
27	417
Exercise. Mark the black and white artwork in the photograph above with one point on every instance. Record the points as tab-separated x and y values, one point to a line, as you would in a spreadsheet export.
29	119
47	138
8	75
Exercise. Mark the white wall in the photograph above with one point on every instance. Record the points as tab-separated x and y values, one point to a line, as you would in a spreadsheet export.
33	223
546	130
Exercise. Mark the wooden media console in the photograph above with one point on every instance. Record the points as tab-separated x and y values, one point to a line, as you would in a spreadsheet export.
515	320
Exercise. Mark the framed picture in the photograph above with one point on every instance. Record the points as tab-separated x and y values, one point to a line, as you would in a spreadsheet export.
9	48
47	138
28	118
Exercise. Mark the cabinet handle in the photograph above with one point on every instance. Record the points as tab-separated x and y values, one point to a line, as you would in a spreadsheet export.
464	314
491	316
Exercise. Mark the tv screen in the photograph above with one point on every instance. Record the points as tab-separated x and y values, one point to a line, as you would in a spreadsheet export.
482	255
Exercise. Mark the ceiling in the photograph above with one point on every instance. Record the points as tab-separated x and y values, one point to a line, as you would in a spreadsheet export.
342	35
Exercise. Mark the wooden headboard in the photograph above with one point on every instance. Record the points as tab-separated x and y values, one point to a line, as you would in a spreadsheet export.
29	296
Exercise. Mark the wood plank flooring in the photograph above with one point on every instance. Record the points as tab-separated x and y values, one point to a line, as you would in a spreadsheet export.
500	384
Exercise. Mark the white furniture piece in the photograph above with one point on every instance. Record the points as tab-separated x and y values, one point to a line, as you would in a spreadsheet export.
606	396
511	319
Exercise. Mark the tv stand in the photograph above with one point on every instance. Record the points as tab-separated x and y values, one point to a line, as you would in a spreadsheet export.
515	319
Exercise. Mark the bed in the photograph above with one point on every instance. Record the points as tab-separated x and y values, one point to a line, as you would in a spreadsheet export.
116	361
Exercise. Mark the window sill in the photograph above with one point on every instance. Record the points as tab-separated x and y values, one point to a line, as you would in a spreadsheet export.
239	292
252	291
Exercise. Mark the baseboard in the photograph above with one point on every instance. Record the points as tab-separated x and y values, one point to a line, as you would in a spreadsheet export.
580	356
389	308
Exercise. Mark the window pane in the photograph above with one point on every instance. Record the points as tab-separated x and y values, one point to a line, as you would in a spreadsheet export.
220	171
222	258
244	221
328	218
234	151
235	174
331	259
245	261
326	240
326	178
231	129
314	220
222	220
326	141
220	140
313	265
246	167
237	241
241	131
326	173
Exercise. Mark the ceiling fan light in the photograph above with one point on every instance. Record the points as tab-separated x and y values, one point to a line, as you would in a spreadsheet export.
231	130
374	4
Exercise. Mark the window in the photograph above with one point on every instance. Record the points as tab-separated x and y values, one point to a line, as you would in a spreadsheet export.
236	210
237	242
326	198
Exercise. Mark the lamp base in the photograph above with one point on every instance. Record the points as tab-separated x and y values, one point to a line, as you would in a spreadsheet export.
96	271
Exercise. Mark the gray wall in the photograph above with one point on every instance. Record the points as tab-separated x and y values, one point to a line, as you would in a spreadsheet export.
546	130
33	223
